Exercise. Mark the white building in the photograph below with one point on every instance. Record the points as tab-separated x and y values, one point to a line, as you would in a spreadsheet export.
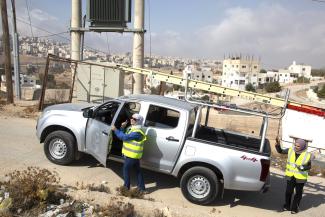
268	77
293	72
300	70
238	72
285	76
204	74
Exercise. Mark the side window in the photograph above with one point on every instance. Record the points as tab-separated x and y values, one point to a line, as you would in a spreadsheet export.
126	112
106	112
161	117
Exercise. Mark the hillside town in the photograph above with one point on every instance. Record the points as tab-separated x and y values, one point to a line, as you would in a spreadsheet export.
140	108
233	71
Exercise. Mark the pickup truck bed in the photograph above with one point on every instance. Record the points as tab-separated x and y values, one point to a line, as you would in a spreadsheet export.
232	139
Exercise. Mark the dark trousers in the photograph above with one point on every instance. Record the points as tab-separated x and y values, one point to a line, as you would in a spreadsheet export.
132	163
291	184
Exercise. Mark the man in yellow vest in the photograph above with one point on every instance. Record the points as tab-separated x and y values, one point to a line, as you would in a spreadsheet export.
298	165
133	139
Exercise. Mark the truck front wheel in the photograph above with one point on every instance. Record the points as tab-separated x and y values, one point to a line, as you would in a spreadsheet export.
200	185
59	147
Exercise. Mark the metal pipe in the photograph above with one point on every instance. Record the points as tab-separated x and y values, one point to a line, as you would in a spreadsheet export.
219	106
265	125
207	116
196	121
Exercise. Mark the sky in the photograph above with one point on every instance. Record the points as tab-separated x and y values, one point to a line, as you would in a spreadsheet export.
276	31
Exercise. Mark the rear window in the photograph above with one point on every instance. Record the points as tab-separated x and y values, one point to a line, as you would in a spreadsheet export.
161	117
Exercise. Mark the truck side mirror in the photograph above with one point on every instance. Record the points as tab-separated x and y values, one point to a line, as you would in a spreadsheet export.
88	113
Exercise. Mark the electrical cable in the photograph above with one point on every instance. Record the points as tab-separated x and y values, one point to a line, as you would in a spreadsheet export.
30	21
59	35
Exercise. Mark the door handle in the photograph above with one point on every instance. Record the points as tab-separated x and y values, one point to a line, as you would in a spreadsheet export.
105	133
171	138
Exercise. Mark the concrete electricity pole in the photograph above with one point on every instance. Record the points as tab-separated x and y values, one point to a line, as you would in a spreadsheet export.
138	45
15	47
75	23
7	52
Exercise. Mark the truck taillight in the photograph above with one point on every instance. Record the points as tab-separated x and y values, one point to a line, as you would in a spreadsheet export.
265	164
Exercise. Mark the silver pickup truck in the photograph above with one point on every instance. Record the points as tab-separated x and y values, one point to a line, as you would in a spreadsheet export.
207	160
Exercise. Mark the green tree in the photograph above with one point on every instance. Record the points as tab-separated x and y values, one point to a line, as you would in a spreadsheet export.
318	72
263	71
273	87
302	79
321	92
250	87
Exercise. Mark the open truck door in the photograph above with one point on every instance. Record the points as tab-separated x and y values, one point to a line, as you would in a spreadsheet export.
99	131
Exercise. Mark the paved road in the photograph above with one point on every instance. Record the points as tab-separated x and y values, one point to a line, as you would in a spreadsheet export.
19	148
296	88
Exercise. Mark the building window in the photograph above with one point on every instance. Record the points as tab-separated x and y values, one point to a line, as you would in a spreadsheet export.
233	66
254	75
236	66
243	67
241	81
255	67
225	66
236	81
303	69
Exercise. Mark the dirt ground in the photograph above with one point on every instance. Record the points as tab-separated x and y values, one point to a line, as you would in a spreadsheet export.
19	121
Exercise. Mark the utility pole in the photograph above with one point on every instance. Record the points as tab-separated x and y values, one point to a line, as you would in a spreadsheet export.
7	53
75	23
138	45
15	45
75	37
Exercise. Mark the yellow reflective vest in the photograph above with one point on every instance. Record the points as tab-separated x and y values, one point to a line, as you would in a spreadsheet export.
132	148
293	164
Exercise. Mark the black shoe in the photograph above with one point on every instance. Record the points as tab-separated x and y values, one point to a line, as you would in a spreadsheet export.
295	211
285	208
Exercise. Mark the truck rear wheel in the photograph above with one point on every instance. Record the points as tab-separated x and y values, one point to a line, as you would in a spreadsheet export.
59	147
200	185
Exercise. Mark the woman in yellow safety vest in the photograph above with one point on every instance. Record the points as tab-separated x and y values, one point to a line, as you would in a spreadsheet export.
298	165
133	139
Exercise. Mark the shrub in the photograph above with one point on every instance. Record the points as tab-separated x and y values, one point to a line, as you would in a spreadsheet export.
273	87
250	87
32	188
321	92
302	80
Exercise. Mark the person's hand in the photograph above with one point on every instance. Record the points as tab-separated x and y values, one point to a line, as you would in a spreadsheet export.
114	128
123	125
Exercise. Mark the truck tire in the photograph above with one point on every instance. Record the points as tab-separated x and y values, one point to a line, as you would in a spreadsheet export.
59	147
200	185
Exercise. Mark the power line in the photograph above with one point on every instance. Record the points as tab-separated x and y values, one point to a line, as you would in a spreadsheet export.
54	34
30	21
59	35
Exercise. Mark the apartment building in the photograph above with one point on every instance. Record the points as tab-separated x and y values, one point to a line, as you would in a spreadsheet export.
196	73
239	71
299	70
